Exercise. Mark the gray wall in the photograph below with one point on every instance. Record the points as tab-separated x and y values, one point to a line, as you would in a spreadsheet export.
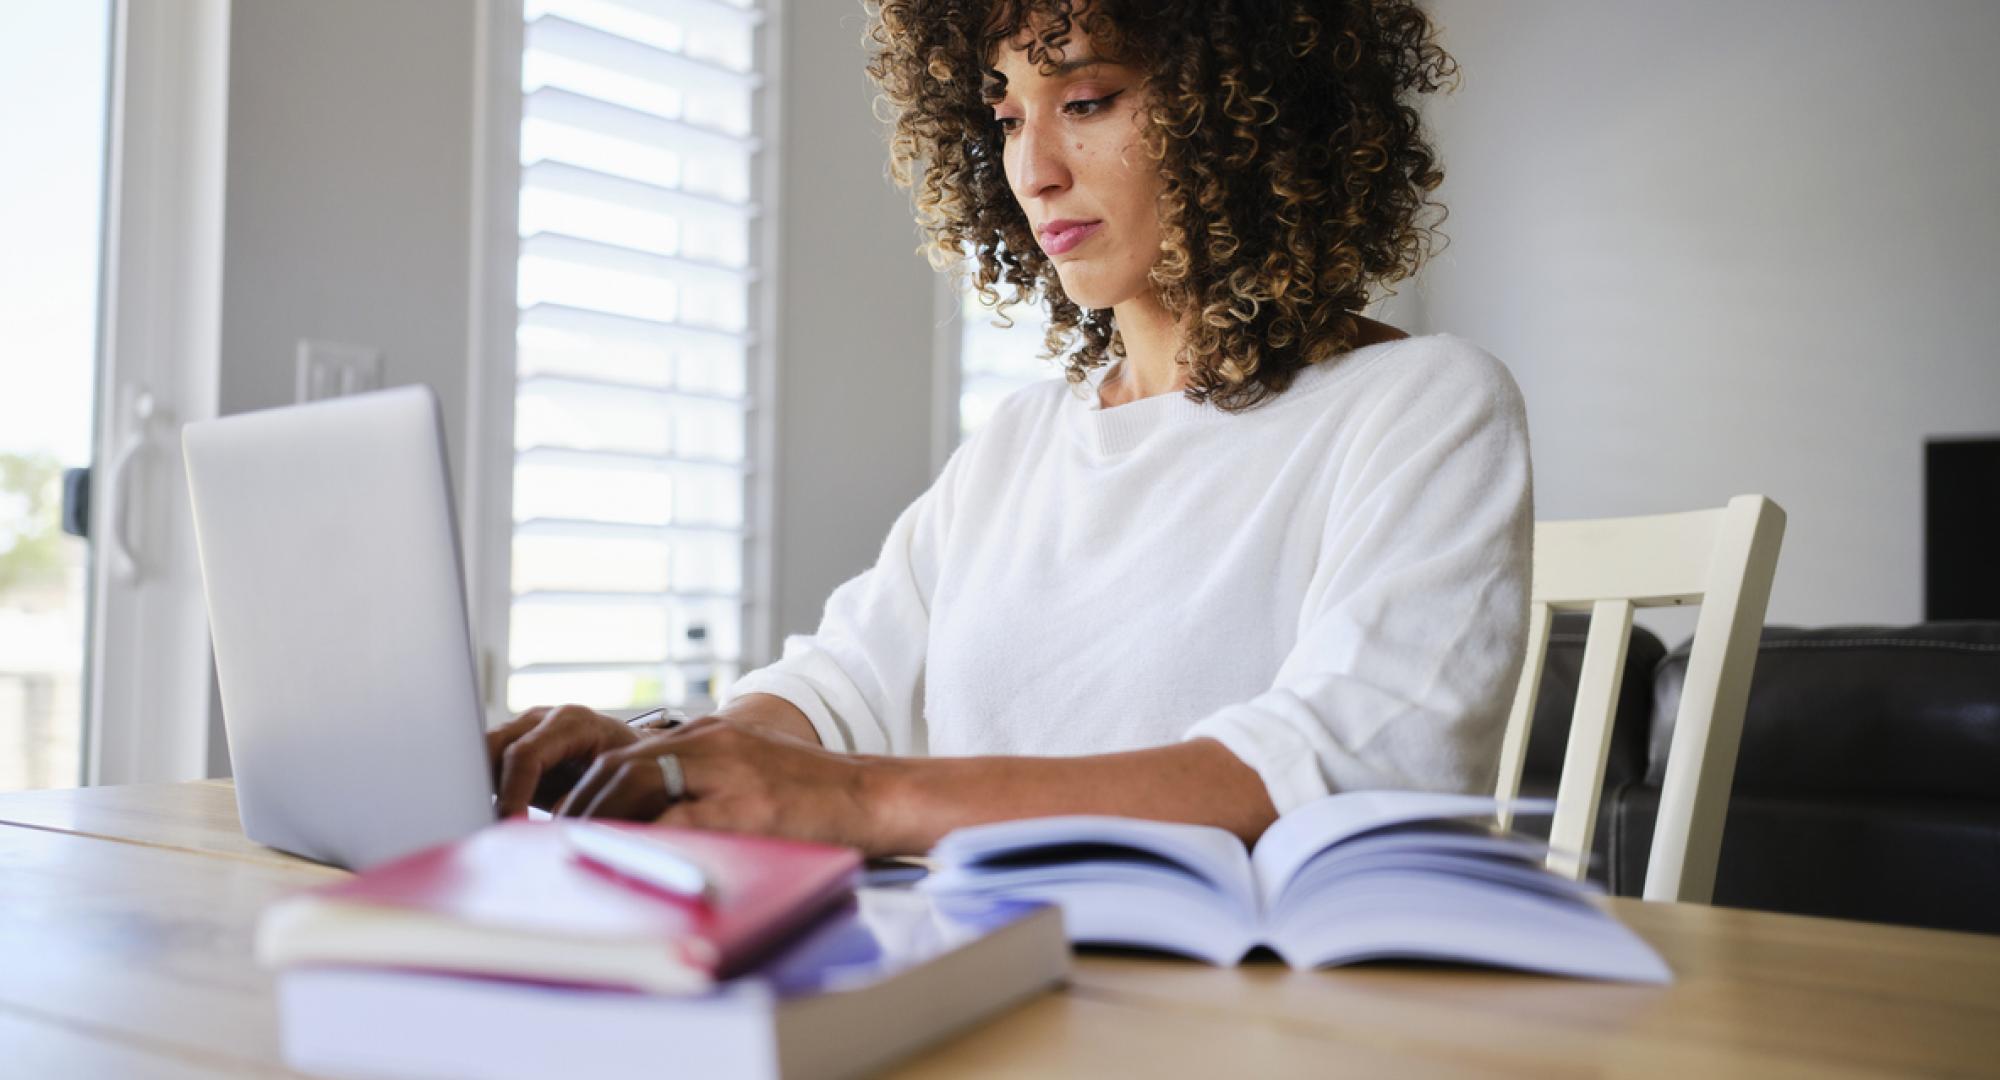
1734	247
349	183
347	210
855	366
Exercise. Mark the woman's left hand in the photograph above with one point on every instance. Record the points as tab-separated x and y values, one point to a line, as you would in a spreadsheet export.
738	778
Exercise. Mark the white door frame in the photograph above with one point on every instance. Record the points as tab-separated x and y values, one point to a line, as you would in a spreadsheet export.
151	702
488	521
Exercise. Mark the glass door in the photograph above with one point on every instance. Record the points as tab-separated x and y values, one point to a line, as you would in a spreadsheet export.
54	75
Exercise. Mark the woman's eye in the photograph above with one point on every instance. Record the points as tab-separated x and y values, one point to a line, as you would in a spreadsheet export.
1087	106
1079	108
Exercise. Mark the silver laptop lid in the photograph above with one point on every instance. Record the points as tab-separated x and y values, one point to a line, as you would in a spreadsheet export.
329	554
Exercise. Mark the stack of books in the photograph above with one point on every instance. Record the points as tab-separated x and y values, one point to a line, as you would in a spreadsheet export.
527	950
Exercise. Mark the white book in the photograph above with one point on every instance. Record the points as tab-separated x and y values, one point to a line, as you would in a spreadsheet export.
892	973
1352	877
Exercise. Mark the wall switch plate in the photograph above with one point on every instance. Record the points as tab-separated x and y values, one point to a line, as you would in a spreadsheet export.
330	369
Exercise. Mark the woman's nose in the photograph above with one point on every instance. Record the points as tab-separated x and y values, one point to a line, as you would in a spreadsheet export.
1040	164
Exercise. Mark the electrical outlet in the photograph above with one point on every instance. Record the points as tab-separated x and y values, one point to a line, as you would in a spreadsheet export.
330	369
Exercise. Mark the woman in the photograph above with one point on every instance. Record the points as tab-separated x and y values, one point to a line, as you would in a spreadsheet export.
1254	548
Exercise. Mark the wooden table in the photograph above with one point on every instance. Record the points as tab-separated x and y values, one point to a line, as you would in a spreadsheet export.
126	916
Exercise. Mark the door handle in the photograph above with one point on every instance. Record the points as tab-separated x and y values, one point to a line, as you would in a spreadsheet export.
76	502
124	561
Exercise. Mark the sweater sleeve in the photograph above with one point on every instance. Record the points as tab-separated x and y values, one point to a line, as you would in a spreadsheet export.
1414	624
860	677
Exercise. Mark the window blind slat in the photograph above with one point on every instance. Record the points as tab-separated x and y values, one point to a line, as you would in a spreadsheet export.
559	106
571	457
613	385
564	318
648	598
618	530
699	13
618	280
571	40
568	179
688	273
615	666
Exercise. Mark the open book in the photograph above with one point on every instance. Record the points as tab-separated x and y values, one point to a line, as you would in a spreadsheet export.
1351	877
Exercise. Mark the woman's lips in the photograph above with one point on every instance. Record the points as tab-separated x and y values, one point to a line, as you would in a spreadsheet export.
1057	241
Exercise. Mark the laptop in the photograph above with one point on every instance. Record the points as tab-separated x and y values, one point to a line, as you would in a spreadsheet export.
336	603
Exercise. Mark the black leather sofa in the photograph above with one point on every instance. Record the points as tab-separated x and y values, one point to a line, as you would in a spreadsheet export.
1867	783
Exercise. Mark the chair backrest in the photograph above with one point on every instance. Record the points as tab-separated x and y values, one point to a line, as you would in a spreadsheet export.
1721	559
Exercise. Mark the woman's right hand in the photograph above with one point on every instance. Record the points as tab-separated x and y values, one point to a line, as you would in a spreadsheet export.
539	755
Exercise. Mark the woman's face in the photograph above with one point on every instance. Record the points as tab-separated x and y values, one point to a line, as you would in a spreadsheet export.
1075	163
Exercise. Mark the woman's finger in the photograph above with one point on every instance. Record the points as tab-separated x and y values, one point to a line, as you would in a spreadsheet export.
636	791
562	733
521	768
685	742
590	783
500	738
581	791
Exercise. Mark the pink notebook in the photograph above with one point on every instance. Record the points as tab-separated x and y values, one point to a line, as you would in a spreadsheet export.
515	901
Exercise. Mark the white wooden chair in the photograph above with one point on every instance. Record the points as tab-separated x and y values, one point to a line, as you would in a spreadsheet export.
1722	559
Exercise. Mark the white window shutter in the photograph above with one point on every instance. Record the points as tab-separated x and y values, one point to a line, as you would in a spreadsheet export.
632	430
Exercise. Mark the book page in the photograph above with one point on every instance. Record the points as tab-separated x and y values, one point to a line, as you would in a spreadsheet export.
1213	856
1120	881
1305	832
1422	913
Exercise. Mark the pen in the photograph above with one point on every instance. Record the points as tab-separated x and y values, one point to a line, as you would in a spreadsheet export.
639	858
661	719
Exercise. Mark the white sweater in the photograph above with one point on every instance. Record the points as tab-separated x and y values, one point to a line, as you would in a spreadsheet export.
1333	584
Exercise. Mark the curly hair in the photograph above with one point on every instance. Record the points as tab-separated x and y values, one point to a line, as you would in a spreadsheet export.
1295	169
